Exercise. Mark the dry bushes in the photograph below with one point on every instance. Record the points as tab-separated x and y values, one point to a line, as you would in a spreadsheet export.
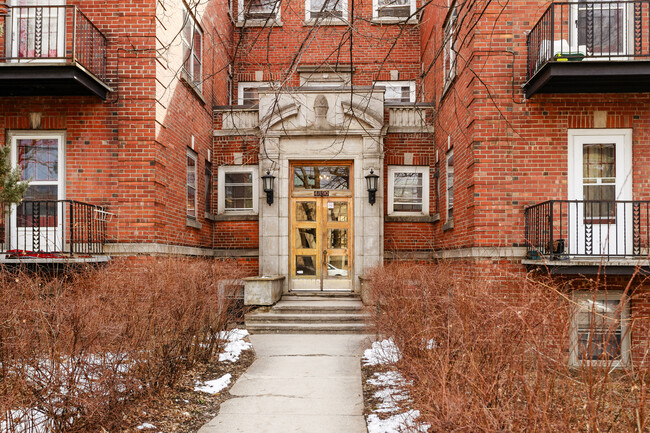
75	348
481	361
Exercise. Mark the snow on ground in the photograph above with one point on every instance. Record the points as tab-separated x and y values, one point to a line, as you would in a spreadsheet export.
214	386
145	426
22	421
391	392
382	352
235	344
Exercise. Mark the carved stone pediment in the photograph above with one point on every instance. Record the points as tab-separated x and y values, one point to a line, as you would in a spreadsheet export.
317	111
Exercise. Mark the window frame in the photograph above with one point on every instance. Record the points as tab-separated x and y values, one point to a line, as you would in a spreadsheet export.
395	84
189	19
449	204
221	188
411	15
610	295
422	169
241	16
450	55
343	17
249	84
193	155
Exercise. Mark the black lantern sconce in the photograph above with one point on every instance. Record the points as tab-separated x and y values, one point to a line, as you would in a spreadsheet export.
267	182
371	181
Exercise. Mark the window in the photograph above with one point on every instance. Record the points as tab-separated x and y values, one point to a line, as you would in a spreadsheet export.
192	37
450	185
317	9
408	190
38	28
250	10
393	8
599	329
248	93
398	91
208	187
599	179
191	183
238	189
450	45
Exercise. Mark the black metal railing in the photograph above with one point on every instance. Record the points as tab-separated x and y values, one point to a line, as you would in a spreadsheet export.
52	34
601	30
560	229
52	228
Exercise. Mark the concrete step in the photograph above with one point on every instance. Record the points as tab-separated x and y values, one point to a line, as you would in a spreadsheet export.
275	317
320	294
319	306
306	328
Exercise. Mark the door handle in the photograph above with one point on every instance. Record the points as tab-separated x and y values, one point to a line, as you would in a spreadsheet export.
324	256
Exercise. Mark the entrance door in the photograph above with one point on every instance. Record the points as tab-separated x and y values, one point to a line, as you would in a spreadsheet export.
37	223
321	238
38	30
600	178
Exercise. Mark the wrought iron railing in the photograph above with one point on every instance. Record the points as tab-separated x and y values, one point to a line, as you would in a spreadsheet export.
599	30
561	229
51	34
52	228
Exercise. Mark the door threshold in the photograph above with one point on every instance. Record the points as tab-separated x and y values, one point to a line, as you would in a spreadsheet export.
324	294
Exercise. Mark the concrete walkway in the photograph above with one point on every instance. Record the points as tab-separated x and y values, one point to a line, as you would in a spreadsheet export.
297	383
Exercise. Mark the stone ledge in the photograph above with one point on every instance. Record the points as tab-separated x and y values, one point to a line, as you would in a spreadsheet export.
236	217
412	218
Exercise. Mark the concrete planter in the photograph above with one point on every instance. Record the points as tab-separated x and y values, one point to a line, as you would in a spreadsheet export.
265	290
367	295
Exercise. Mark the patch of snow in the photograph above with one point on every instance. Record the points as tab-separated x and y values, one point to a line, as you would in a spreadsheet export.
235	344
214	386
400	423
26	421
431	344
392	390
145	425
382	352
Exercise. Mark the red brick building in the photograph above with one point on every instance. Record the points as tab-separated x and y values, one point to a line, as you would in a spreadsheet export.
508	137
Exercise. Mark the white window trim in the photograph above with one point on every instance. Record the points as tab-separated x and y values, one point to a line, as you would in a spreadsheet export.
221	182
258	22
192	154
337	20
424	170
613	295
447	171
411	85
376	17
243	84
190	74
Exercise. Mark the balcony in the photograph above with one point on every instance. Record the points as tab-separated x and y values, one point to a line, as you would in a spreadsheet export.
51	51
51	231
590	47
585	235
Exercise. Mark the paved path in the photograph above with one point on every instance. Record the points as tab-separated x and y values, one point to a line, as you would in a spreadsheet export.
297	383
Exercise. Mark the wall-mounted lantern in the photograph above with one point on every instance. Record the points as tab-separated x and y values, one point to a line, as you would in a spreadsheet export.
371	180
267	182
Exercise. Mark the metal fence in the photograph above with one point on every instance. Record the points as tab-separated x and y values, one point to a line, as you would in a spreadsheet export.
599	30
51	34
51	228
560	229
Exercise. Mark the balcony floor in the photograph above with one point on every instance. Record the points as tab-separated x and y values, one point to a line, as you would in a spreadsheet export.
587	76
49	79
591	265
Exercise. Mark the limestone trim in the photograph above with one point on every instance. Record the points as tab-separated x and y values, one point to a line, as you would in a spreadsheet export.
168	249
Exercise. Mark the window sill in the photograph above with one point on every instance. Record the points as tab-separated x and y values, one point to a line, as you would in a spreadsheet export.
192	222
236	217
259	23
394	218
325	22
446	87
394	20
196	91
448	225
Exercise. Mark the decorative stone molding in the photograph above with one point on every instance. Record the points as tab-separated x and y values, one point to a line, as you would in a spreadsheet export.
408	118
263	291
239	121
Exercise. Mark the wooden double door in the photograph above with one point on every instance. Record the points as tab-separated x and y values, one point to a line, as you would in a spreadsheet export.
321	243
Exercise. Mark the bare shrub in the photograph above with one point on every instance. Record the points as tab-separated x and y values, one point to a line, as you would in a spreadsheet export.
486	358
76	347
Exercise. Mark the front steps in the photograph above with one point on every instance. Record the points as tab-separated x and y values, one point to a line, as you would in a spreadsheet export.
310	313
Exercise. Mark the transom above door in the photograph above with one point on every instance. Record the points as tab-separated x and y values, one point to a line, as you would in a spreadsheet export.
321	237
